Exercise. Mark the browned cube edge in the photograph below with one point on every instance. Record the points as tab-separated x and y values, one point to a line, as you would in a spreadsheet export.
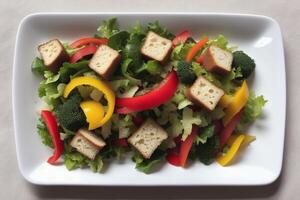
195	101
210	65
62	57
112	68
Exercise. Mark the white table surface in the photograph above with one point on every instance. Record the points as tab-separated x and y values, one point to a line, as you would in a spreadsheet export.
287	13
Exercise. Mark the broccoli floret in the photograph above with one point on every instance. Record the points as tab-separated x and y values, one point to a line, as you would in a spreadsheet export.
70	114
185	72
244	63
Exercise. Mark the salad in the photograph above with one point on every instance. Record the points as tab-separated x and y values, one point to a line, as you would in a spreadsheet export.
144	93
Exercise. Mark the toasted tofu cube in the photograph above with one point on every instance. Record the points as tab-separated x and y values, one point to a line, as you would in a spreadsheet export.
53	54
217	60
105	61
87	143
147	138
205	93
156	47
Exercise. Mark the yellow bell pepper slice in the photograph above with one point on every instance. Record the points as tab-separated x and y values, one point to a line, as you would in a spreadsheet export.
101	86
235	142
237	102
94	113
248	139
224	160
225	100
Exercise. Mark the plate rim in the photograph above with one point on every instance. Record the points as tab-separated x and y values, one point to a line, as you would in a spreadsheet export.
226	14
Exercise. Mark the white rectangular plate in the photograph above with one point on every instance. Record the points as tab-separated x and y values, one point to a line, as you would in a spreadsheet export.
259	36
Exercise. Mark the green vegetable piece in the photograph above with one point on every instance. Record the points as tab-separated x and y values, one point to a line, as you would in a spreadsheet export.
37	66
138	29
221	41
185	72
50	92
118	40
67	70
206	152
132	50
69	49
124	69
180	51
70	115
74	160
44	134
244	63
50	77
108	28
204	134
148	165
97	164
152	67
253	108
156	27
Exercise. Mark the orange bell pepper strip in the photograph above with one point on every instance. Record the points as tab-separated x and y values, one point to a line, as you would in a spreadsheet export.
194	50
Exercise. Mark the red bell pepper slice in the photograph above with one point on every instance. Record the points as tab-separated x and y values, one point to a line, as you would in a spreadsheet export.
229	128
52	127
187	145
88	50
85	41
184	150
194	50
156	97
218	126
121	142
200	59
181	38
173	157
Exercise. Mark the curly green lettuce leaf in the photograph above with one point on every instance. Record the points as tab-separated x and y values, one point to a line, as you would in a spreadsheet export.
253	108
204	134
157	28
118	40
220	41
148	165
180	51
184	103
201	71
50	77
107	28
188	119
43	133
138	29
96	165
176	127
37	66
74	160
227	81
51	92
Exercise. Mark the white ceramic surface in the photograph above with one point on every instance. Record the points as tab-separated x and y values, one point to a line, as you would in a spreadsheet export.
259	36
